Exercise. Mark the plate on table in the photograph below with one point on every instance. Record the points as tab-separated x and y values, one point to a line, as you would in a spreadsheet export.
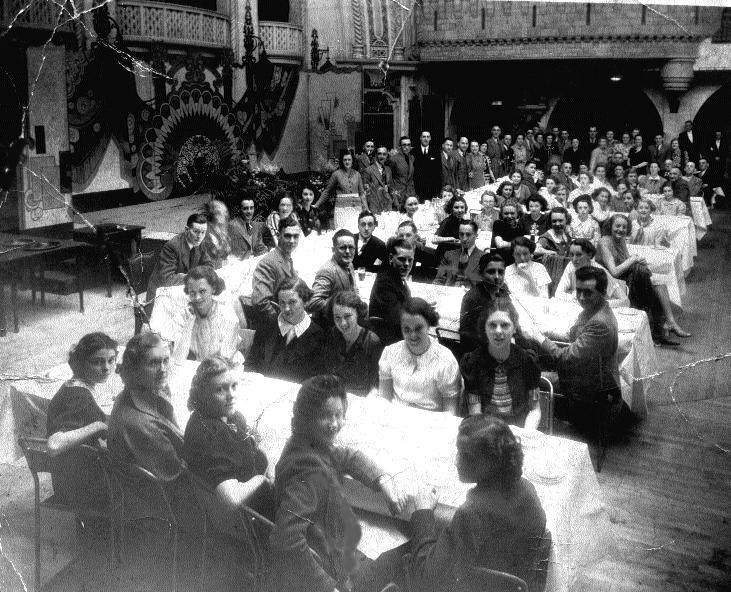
628	312
548	473
17	242
42	245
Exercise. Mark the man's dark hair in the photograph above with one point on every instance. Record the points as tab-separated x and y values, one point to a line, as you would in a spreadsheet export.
398	243
584	274
340	233
488	258
469	222
287	222
197	218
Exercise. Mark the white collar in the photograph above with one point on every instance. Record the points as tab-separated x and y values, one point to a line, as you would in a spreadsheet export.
298	329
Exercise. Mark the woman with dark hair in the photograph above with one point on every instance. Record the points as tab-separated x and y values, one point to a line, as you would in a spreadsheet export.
506	229
308	215
645	230
501	378
526	276
218	444
583	225
210	327
675	154
291	347
285	208
520	191
476	164
447	235
316	533
602	210
217	242
653	299
505	192
345	188
74	418
553	245
535	221
352	350
419	371
501	526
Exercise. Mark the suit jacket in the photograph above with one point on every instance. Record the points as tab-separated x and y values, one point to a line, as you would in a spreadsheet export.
402	170
694	185
245	244
173	264
427	172
269	273
449	274
657	153
463	181
388	295
379	188
449	169
690	147
374	250
681	190
330	279
589	365
496	154
362	161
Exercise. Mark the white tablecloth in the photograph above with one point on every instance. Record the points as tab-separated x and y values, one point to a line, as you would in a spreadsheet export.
666	265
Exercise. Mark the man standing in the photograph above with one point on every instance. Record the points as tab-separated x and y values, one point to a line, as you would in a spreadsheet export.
272	270
365	158
460	267
610	140
688	142
574	154
639	157
449	164
370	251
247	234
553	153
681	190
179	255
390	289
496	152
463	182
592	141
588	369
599	155
427	169
402	171
336	275
378	181
657	150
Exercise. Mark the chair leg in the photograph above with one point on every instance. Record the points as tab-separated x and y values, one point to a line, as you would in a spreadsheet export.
37	531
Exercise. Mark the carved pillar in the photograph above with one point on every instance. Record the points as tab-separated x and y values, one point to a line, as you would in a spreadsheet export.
358	47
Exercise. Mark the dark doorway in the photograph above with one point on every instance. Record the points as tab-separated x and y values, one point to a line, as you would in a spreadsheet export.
617	106
274	10
714	116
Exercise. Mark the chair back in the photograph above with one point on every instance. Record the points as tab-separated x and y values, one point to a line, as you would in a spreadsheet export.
546	403
141	266
451	340
36	454
385	332
481	579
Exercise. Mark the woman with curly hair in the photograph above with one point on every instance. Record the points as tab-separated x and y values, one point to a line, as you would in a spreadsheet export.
501	526
583	225
447	235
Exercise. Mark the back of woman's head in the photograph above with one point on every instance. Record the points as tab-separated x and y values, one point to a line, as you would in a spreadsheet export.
88	345
490	449
311	399
200	385
135	353
420	307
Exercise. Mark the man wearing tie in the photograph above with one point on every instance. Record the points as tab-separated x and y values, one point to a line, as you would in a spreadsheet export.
460	267
496	153
687	141
427	169
248	236
449	164
378	181
390	289
460	154
179	255
336	275
401	164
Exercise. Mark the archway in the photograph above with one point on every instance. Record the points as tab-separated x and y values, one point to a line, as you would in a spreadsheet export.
618	106
713	115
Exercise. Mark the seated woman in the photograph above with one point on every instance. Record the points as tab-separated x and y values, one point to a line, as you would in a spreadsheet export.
645	230
548	192
643	294
670	205
501	526
211	328
422	218
553	245
217	242
584	188
488	214
74	418
506	229
653	181
352	350
501	378
419	371
285	208
219	446
505	192
447	235
581	253
624	201
601	211
308	215
316	531
521	193
291	348
600	178
535	221
526	276
583	225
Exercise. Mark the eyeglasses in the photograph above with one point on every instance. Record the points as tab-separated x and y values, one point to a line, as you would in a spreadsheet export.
344	248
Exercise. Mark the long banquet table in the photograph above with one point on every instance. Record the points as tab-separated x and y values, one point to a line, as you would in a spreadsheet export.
560	469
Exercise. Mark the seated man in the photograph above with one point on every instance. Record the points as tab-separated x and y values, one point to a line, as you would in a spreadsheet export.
370	251
179	255
336	275
248	237
459	267
695	184
681	189
492	286
275	267
581	253
390	290
209	327
587	369
424	265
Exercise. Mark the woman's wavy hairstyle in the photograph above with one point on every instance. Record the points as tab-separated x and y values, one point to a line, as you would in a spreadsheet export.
500	304
486	442
200	385
311	399
350	299
88	345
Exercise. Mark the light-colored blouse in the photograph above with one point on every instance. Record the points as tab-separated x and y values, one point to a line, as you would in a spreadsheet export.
650	234
588	229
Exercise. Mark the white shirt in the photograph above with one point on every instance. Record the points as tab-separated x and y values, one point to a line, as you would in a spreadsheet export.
566	289
533	280
291	331
218	333
424	381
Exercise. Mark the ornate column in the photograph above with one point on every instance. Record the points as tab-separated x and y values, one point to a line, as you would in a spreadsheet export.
358	51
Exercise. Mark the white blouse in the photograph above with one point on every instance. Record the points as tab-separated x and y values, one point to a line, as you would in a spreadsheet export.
532	281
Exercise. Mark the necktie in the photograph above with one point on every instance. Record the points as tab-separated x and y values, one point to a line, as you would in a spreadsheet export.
424	151
191	258
248	227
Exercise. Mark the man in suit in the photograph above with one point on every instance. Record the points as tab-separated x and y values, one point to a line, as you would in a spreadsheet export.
378	180
688	142
564	177
717	154
496	152
390	289
592	142
599	155
657	150
449	164
695	184
574	154
246	234
427	169
370	251
336	275
460	267
401	164
424	267
588	369
681	189
460	154
365	158
178	256
710	182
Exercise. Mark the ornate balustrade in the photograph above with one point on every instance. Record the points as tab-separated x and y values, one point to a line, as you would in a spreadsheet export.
37	15
282	40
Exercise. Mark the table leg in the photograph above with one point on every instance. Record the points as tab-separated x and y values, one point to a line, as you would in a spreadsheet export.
108	262
3	326
79	285
42	280
14	302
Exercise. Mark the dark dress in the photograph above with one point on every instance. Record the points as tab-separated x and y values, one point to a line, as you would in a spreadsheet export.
507	233
523	374
535	227
388	295
309	219
75	481
218	451
448	227
358	366
555	264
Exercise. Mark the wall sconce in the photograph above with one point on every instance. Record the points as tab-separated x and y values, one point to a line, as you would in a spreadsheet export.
316	55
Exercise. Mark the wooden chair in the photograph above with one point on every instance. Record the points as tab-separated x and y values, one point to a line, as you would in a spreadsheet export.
451	340
40	461
140	269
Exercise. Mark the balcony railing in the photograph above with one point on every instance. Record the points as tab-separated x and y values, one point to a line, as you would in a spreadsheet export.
170	23
282	40
39	15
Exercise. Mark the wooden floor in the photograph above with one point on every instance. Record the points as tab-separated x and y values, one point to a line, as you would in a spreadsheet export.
667	487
